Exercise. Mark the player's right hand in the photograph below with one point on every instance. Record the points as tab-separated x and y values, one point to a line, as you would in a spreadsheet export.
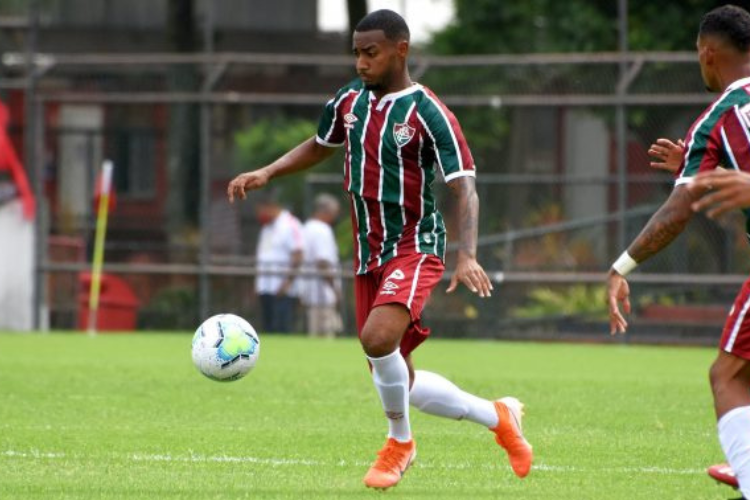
669	154
245	182
730	189
618	291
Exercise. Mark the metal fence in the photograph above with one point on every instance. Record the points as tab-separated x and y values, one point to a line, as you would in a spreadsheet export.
559	141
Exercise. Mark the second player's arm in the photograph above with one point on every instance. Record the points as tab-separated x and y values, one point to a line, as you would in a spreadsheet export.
302	157
663	227
468	271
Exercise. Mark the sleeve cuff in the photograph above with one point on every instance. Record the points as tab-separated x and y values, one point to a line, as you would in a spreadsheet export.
683	180
460	173
327	144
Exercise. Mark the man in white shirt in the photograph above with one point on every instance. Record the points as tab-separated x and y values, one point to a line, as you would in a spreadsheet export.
279	256
320	287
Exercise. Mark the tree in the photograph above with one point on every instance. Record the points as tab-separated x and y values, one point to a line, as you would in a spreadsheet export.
490	27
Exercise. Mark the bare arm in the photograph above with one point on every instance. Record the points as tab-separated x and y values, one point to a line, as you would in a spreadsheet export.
304	156
663	227
468	271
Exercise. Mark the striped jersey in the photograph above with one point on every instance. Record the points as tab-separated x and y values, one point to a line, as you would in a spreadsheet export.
720	136
395	147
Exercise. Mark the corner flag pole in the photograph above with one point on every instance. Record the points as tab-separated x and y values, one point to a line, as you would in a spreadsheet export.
101	231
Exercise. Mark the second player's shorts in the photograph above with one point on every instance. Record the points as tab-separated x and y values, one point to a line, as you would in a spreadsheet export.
735	339
406	280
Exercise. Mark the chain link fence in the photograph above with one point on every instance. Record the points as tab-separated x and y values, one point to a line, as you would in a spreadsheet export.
559	141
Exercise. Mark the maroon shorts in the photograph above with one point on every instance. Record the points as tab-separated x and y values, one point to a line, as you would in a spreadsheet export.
406	280
735	339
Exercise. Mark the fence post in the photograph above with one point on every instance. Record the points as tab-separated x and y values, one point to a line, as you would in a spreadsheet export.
621	127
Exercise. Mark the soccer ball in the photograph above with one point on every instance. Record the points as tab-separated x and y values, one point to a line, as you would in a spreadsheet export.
225	347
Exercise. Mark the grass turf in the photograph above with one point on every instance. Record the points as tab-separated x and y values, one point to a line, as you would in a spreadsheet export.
127	416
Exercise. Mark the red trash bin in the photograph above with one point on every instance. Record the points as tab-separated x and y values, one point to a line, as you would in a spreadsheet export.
118	305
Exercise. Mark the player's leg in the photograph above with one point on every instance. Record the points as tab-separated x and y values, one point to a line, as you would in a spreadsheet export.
436	395
394	457
730	385
380	340
267	311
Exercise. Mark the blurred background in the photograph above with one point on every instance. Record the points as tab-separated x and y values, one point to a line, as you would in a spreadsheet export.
559	102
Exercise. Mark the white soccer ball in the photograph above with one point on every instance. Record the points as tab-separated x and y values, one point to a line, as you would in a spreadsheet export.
225	347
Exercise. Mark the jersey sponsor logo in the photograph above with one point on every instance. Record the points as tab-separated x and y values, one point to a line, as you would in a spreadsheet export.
350	119
402	133
398	274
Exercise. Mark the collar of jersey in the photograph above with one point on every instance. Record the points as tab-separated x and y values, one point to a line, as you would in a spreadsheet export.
395	95
742	82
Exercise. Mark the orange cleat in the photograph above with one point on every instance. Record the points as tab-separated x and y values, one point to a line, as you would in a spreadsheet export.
723	473
509	435
392	462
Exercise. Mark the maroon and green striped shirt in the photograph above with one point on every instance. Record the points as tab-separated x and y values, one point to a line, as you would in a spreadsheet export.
394	147
720	136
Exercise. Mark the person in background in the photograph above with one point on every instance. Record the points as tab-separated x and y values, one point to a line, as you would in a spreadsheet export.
320	291
278	256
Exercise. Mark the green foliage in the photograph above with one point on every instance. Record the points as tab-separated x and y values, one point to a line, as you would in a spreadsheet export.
489	27
576	300
171	308
267	140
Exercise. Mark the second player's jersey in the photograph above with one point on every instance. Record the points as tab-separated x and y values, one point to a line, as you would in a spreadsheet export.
394	147
720	136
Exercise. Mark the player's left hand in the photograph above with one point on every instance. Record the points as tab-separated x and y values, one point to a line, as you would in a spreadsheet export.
730	190
470	273
618	291
667	153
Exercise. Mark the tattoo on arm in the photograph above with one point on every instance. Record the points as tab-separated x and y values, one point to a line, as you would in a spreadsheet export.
664	226
464	190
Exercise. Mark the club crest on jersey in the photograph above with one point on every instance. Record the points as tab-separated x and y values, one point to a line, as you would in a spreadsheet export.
402	133
350	119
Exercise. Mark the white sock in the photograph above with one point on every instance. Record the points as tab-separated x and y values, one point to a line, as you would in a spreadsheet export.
734	435
436	395
391	377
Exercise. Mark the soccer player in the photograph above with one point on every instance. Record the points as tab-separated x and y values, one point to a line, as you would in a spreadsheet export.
399	137
718	136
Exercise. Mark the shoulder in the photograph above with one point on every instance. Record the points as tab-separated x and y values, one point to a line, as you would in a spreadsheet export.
316	227
430	107
289	220
722	106
351	88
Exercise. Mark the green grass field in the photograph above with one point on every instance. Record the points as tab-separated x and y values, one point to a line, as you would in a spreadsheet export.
127	416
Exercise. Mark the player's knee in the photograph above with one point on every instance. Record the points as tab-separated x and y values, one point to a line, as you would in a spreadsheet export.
718	377
377	342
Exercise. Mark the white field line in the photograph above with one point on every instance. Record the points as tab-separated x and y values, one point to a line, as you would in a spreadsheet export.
279	462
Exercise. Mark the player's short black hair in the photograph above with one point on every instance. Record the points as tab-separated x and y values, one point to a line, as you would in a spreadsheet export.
393	25
730	23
